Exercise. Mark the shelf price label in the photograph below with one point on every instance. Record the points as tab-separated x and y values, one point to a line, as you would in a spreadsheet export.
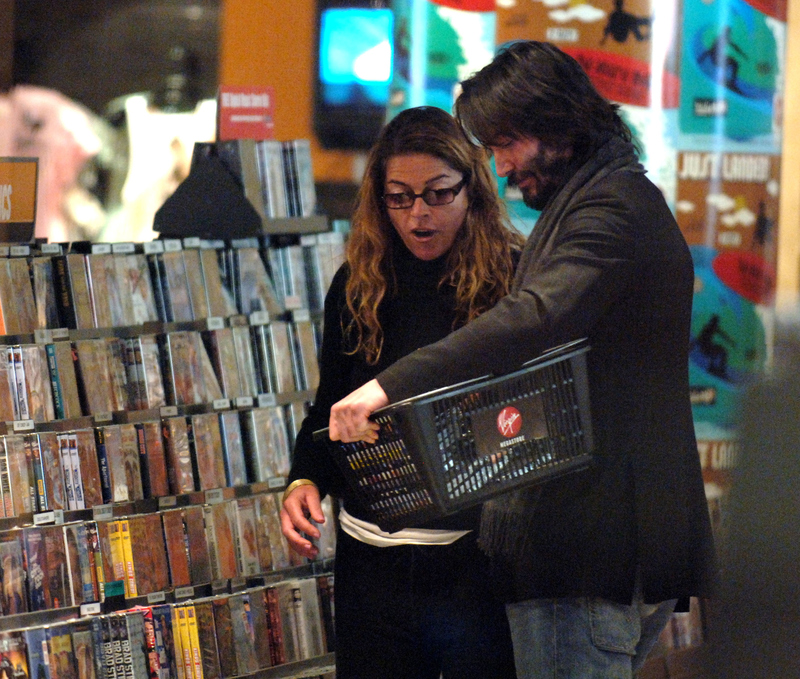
267	400
42	336
214	496
184	592
103	512
123	248
259	318
55	516
90	609
156	598
51	248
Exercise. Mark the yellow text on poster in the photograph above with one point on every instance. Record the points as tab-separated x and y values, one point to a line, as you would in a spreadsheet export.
18	190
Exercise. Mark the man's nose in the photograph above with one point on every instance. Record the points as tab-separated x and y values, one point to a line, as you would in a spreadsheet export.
502	162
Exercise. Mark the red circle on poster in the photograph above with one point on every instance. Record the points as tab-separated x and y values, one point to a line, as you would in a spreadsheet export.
468	5
774	8
509	422
746	273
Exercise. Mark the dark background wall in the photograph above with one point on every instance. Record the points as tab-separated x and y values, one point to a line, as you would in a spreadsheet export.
6	38
96	50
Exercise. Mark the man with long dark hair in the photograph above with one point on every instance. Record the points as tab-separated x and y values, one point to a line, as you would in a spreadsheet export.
592	564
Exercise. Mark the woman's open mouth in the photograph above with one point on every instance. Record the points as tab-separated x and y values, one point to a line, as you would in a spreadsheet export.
423	234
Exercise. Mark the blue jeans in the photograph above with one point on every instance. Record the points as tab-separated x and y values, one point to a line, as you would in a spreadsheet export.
583	638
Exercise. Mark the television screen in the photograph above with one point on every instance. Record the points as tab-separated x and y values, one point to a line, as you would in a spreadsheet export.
355	56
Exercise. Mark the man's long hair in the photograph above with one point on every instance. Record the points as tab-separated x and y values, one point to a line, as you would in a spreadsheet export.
479	265
533	89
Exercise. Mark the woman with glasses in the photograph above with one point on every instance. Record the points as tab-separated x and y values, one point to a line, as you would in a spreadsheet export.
429	250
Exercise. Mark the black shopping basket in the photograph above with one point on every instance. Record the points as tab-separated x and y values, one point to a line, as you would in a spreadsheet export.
454	447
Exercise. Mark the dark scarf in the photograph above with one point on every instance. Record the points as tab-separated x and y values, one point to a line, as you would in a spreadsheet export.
506	521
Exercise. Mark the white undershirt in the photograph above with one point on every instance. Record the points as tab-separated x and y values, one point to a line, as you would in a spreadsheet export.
367	532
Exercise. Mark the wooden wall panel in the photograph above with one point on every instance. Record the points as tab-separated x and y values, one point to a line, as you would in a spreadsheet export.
271	42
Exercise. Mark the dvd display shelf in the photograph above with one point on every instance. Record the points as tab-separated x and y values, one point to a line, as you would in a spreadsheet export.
56	572
175	340
169	337
115	601
261	632
113	595
219	649
129	463
116	510
59	378
103	286
105	390
174	546
261	383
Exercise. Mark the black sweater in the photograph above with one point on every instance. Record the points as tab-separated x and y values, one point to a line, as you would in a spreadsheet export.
414	314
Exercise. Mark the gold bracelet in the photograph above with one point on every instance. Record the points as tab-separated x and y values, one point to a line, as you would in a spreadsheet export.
296	484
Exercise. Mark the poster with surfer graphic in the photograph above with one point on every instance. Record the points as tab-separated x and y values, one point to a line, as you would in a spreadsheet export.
614	41
727	208
732	70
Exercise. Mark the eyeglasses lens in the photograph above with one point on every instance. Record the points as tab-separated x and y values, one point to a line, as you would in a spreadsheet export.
432	197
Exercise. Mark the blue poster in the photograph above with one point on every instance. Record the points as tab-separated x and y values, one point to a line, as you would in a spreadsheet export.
436	47
728	343
731	73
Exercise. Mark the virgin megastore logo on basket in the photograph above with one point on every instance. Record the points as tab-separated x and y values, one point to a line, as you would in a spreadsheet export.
517	422
509	422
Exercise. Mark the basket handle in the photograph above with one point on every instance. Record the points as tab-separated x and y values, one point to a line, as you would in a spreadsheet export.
574	345
321	435
324	434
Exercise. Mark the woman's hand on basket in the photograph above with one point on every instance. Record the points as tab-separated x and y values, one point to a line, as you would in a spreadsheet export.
300	505
350	417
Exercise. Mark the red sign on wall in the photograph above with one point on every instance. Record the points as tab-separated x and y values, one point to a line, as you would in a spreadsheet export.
245	113
468	5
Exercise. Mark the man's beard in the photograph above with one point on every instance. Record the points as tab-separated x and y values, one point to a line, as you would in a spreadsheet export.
550	175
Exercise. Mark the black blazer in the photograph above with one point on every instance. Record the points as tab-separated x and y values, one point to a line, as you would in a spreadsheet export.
606	261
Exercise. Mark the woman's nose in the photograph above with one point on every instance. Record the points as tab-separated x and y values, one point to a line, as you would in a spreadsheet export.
418	207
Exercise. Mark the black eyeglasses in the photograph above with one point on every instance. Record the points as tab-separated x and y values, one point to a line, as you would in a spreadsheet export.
432	197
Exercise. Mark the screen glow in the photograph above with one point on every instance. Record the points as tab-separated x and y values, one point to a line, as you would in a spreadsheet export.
355	55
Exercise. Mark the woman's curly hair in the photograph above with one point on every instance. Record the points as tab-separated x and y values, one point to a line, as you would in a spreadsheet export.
480	263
